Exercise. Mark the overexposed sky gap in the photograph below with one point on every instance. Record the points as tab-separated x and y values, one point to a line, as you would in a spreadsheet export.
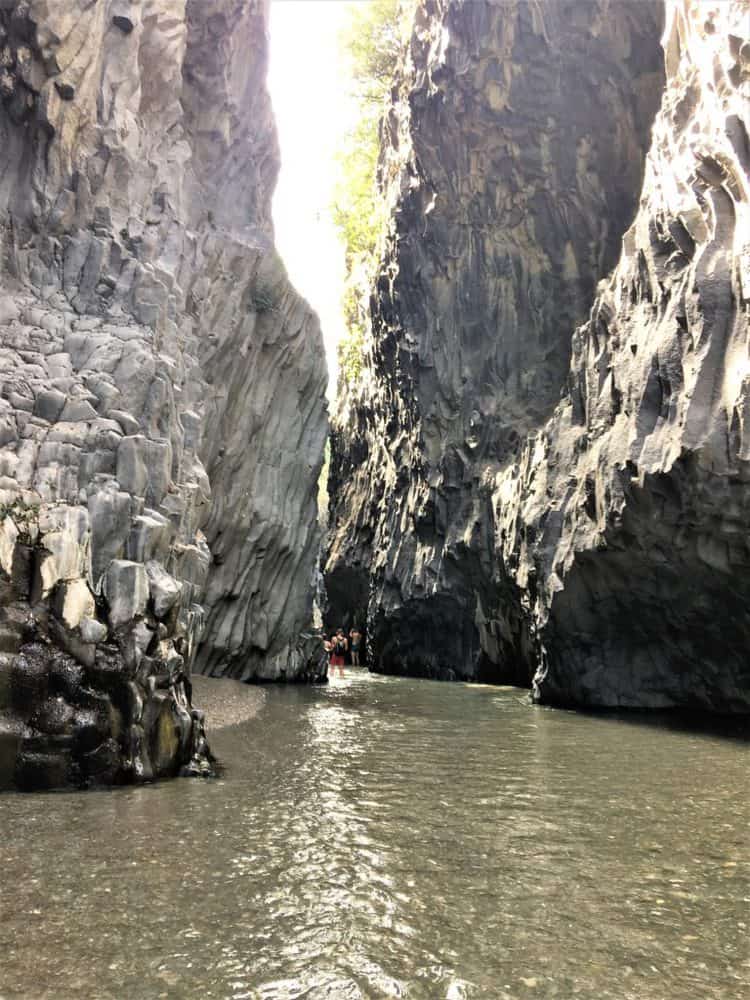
308	85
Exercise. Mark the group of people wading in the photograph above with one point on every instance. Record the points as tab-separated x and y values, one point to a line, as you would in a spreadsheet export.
337	647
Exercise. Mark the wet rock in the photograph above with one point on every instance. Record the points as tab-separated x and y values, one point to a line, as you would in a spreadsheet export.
54	716
29	679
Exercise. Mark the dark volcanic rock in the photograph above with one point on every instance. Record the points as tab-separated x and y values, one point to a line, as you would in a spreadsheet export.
162	386
631	509
607	560
512	159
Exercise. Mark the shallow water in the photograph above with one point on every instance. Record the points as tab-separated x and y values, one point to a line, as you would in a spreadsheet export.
389	838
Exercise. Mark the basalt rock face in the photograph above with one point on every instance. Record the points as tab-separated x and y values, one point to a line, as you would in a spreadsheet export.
162	409
512	159
630	512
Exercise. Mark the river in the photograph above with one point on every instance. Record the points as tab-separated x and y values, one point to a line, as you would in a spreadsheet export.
391	838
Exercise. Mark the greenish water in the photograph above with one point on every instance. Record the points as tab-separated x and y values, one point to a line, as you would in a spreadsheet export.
389	838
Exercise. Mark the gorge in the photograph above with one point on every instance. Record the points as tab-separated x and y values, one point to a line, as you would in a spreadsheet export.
538	477
537	469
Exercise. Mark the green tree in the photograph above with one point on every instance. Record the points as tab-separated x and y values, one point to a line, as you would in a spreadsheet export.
373	40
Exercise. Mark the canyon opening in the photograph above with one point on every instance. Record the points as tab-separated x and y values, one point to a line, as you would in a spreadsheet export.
373	382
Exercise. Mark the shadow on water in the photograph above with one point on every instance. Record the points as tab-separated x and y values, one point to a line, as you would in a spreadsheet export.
684	721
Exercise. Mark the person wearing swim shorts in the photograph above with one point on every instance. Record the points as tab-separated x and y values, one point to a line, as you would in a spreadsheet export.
338	652
355	640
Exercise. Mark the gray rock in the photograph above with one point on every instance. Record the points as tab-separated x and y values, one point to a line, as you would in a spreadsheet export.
165	590
76	410
592	546
74	603
110	511
112	433
507	208
150	537
92	630
126	589
49	404
128	423
132	466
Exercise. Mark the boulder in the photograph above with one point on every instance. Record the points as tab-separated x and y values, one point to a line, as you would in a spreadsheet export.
165	590
74	603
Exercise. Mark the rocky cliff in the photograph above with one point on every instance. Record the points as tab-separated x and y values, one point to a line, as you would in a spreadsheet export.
625	522
512	159
598	551
162	409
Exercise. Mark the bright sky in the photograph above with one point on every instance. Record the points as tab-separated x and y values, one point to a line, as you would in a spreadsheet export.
307	81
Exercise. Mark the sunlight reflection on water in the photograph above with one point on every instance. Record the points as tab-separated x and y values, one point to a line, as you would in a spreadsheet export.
392	838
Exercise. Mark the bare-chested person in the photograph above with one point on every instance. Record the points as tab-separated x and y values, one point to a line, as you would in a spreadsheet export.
355	640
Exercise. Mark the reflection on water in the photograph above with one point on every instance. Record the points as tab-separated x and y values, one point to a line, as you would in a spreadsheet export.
389	838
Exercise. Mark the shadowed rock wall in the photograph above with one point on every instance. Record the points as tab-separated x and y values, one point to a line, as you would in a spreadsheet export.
630	511
512	159
162	408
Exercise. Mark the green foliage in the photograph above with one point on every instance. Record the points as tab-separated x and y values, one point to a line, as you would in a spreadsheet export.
350	350
373	41
261	301
19	509
355	211
23	514
351	347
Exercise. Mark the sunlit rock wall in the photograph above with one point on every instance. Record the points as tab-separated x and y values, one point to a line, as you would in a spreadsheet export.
626	522
512	159
162	411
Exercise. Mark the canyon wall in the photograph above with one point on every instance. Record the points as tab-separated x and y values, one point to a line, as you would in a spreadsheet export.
625	523
162	386
512	160
516	499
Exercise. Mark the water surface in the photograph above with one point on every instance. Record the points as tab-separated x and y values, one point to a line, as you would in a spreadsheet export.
393	838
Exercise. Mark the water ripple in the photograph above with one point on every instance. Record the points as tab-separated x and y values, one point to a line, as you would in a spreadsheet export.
387	838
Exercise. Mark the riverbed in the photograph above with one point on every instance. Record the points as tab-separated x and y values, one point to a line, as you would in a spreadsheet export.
383	837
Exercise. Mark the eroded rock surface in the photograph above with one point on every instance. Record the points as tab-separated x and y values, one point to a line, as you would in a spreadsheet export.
605	562
630	511
162	411
512	160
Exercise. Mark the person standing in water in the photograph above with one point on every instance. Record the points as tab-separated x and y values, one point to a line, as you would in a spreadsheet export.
355	637
338	651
